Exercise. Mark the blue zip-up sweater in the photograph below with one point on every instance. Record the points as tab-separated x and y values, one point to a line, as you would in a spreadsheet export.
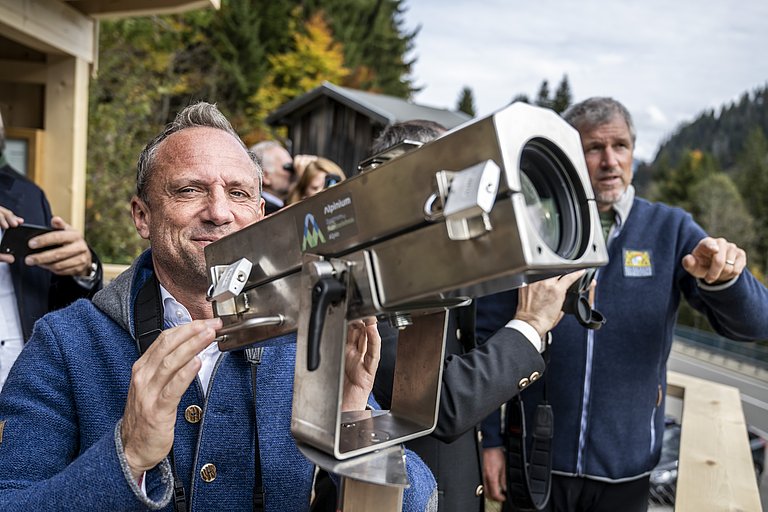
607	387
60	447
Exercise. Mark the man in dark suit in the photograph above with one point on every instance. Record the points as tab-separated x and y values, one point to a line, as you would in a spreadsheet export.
477	379
44	281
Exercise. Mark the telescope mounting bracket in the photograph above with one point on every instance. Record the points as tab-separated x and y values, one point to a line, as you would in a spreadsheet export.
467	197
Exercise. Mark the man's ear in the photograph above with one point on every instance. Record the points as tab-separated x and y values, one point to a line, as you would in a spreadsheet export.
141	216
266	179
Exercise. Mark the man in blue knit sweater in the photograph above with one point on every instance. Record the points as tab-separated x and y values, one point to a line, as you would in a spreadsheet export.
90	422
607	387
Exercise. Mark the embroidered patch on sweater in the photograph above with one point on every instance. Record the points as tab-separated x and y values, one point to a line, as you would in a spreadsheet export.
637	263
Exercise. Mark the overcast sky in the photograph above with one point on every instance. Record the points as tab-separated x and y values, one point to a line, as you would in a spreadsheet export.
667	61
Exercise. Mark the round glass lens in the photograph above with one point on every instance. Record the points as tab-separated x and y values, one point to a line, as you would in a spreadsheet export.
542	212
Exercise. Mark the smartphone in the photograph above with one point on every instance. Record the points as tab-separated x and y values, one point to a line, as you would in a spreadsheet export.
331	180
16	240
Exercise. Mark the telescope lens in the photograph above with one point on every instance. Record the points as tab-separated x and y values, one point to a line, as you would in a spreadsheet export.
547	178
542	212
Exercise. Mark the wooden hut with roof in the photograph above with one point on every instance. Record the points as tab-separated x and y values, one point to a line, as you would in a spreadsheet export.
340	123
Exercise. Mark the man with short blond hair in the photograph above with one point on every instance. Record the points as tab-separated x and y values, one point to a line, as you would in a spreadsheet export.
127	403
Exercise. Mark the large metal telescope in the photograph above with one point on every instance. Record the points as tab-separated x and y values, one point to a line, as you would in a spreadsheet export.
489	206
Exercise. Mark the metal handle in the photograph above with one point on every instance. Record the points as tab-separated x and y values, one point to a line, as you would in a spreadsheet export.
259	321
327	291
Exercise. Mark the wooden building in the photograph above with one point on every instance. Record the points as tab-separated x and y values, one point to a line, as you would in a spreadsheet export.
340	123
48	51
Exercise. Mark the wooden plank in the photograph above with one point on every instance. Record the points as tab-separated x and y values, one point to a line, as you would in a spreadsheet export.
360	496
716	470
49	26
101	9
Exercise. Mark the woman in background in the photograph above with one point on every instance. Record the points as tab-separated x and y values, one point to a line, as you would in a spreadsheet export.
318	174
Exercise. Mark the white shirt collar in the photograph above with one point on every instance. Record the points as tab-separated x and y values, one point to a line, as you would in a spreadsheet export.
174	313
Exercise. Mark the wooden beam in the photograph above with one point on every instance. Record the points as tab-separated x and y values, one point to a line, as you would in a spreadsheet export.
101	9
49	26
66	138
716	470
25	72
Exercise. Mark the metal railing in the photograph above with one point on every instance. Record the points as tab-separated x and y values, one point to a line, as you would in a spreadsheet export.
751	353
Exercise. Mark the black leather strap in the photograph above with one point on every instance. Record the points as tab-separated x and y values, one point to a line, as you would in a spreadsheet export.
148	314
148	323
253	355
529	481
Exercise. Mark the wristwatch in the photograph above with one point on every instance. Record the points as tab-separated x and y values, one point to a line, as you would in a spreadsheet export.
87	281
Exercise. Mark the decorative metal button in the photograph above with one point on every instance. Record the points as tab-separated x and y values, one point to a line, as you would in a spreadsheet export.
535	376
479	490
193	414
523	382
208	473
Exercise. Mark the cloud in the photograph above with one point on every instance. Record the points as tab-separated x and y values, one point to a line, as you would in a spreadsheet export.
666	61
656	116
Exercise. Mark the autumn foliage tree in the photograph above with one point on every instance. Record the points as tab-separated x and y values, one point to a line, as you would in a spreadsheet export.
314	58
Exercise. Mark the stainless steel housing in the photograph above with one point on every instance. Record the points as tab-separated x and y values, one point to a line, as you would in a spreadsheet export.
399	252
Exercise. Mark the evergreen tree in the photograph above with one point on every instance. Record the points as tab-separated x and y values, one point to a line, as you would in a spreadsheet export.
673	185
563	97
523	98
466	102
375	43
239	51
721	134
752	179
542	98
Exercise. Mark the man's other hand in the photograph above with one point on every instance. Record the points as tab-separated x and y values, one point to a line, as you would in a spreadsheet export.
361	361
715	260
494	474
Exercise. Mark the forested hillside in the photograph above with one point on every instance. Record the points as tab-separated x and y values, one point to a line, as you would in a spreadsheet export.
722	134
716	167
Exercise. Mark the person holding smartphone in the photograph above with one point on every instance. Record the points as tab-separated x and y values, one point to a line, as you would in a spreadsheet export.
63	270
319	174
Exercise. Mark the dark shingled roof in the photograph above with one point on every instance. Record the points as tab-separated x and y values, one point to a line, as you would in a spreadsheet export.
379	107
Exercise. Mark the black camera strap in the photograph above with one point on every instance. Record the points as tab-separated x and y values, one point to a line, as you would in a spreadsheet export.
253	355
148	322
529	481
